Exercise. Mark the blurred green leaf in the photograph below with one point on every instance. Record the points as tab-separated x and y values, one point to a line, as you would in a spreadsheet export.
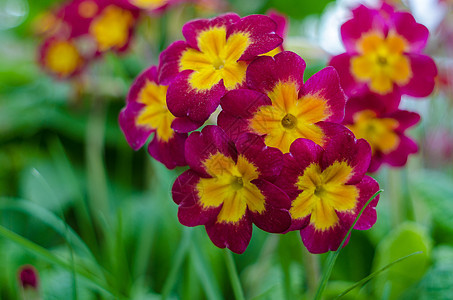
406	239
436	191
298	9
438	281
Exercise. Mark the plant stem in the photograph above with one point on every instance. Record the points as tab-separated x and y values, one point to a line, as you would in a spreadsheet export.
94	149
313	272
180	255
232	271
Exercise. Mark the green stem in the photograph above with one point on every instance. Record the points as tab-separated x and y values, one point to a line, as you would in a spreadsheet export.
313	272
236	283
334	255
180	255
96	177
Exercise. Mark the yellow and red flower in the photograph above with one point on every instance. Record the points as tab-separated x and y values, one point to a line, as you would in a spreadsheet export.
328	188
229	187
61	57
145	113
368	118
212	60
384	54
279	106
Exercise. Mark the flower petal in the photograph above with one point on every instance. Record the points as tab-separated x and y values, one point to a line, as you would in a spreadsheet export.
325	85
185	101
201	145
424	71
265	72
170	153
234	236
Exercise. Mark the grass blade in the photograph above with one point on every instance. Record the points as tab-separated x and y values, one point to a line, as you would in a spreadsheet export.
176	266
334	255
374	274
236	283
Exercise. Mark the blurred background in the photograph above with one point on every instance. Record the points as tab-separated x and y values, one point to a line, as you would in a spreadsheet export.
96	221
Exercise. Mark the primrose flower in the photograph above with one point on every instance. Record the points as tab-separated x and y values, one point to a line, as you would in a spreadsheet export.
112	28
212	60
228	188
145	113
367	118
328	188
278	104
61	57
383	54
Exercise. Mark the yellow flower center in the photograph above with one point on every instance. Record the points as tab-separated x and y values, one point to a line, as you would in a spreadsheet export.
324	193
379	132
290	117
111	27
381	62
216	60
155	114
231	187
62	58
149	4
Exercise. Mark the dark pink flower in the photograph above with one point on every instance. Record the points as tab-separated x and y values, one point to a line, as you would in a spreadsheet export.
279	106
328	188
228	188
368	118
28	277
212	60
383	54
145	113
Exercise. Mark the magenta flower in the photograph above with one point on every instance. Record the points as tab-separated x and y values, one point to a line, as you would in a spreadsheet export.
145	113
212	60
278	104
367	117
383	54
328	188
28	277
228	188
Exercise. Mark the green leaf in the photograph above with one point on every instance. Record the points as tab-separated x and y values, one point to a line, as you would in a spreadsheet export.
374	274
406	239
298	9
436	191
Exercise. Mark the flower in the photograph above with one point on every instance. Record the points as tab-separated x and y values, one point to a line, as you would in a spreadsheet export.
278	104
28	277
112	28
328	188
61	57
145	113
383	54
212	60
367	118
229	187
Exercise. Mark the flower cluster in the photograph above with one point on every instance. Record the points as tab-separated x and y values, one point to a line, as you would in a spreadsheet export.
80	31
382	62
276	156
